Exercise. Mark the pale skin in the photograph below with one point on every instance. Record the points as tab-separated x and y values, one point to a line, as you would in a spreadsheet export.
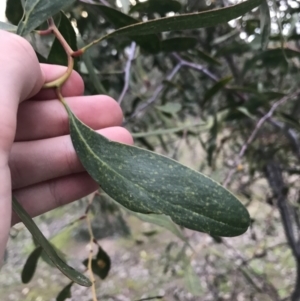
38	163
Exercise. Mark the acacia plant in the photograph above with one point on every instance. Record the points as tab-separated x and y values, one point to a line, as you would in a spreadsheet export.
138	179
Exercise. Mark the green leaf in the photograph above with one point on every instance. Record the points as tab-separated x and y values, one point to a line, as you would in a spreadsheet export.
30	265
271	58
265	24
14	11
208	58
170	108
150	42
157	6
216	88
211	144
178	44
38	11
189	21
101	264
192	280
146	182
43	242
46	258
57	53
65	293
162	221
8	27
93	77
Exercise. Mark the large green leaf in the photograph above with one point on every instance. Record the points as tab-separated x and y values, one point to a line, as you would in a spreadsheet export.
57	53
46	246
146	182
38	11
189	21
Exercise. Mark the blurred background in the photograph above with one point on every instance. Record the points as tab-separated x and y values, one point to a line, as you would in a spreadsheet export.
223	100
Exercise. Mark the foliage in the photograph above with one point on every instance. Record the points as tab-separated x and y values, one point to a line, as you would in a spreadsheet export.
227	89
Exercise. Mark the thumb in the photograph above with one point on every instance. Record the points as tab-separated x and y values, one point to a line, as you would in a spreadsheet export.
20	78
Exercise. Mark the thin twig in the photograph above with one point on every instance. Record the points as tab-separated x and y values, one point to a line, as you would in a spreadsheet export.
254	133
156	93
195	66
127	71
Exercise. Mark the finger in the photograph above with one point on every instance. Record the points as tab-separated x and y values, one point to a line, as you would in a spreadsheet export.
46	119
51	158
20	77
43	197
74	86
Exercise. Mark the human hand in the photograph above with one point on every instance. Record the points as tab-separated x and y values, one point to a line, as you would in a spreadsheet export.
37	160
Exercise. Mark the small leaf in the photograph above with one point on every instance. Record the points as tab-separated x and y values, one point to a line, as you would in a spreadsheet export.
65	293
57	53
162	221
178	44
170	108
211	144
30	265
101	264
46	246
216	88
208	58
192	281
8	27
265	24
146	182
93	77
38	11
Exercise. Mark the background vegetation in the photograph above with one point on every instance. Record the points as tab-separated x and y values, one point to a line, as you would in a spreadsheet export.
224	100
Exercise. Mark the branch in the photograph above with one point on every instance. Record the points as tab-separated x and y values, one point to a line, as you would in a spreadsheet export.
156	93
280	190
254	133
127	71
205	71
195	66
